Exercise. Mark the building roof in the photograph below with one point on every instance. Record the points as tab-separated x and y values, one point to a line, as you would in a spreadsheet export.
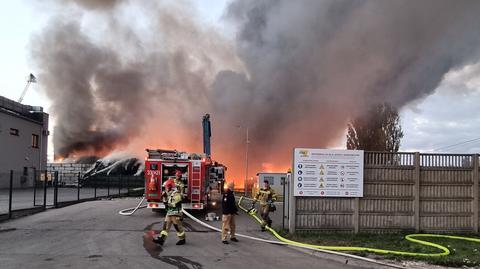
271	173
32	113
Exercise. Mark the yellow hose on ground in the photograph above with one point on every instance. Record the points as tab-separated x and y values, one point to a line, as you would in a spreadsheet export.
410	237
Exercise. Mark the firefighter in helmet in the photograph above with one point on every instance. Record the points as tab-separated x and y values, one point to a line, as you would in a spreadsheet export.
179	183
173	205
267	197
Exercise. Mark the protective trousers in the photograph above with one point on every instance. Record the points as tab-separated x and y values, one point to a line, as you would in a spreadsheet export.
177	223
228	223
265	210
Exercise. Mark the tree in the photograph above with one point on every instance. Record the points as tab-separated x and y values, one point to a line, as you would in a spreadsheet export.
378	130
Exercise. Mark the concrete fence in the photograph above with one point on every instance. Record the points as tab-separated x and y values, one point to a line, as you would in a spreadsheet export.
402	192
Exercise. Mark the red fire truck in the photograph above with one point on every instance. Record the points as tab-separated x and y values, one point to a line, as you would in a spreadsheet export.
203	178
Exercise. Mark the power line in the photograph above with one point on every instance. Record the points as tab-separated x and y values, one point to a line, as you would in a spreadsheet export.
458	144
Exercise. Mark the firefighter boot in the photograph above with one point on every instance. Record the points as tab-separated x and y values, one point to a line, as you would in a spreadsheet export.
269	223
180	232
160	240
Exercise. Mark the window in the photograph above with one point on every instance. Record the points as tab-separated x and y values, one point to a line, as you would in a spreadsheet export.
153	166
14	132
35	141
269	178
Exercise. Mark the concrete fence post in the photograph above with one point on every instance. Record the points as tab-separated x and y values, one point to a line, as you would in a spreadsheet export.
475	193
356	215
416	192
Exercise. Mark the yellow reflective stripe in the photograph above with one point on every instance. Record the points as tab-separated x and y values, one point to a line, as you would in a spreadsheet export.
165	233
181	234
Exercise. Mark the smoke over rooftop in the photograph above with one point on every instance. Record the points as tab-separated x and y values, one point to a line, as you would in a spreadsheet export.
125	76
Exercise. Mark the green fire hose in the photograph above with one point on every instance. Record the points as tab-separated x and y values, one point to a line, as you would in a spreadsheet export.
411	237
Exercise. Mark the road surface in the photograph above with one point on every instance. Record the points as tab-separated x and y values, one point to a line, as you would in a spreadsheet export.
94	235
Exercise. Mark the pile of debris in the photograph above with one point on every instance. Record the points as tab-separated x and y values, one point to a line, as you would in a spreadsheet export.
110	166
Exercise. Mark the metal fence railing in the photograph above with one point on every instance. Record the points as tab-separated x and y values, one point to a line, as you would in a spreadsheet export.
26	192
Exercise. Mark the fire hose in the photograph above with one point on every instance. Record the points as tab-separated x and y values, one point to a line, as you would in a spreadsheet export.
411	237
286	243
132	210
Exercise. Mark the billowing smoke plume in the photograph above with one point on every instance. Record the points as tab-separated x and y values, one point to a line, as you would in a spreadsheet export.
112	80
314	64
299	71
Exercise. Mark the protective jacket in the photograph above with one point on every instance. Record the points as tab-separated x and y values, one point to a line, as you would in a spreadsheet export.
173	202
228	203
180	187
265	196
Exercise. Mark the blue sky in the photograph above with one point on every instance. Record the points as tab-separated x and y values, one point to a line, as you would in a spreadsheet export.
447	117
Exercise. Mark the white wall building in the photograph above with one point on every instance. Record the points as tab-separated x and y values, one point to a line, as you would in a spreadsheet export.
23	141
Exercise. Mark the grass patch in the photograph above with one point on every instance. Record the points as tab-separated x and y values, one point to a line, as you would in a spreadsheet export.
463	253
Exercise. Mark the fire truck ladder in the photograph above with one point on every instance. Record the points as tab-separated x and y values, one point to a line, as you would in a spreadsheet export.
195	195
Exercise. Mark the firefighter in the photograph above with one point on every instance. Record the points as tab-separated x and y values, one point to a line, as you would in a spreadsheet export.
173	205
267	197
179	183
229	210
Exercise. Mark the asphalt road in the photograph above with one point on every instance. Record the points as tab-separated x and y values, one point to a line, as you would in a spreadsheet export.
94	235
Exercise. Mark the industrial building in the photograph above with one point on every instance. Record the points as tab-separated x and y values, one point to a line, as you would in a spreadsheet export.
23	141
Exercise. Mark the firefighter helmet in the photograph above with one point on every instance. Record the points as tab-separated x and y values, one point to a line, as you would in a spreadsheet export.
169	184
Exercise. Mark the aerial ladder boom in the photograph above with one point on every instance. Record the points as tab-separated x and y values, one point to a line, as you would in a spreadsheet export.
31	79
207	133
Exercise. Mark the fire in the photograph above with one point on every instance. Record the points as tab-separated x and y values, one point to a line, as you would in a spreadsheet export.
267	167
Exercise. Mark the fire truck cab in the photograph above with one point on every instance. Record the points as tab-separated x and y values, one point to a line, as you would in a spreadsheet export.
203	178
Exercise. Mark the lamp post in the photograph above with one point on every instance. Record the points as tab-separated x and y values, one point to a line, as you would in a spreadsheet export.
246	162
247	141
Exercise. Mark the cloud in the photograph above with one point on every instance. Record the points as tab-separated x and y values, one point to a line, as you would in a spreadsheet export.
448	117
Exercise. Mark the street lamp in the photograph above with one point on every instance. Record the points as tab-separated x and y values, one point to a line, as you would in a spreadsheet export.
247	141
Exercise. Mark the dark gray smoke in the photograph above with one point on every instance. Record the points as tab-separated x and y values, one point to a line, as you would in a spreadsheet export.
90	90
314	64
113	82
305	68
94	4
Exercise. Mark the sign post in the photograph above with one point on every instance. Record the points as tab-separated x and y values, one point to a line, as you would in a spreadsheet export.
328	173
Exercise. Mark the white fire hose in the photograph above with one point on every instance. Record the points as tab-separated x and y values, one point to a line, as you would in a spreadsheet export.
132	210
